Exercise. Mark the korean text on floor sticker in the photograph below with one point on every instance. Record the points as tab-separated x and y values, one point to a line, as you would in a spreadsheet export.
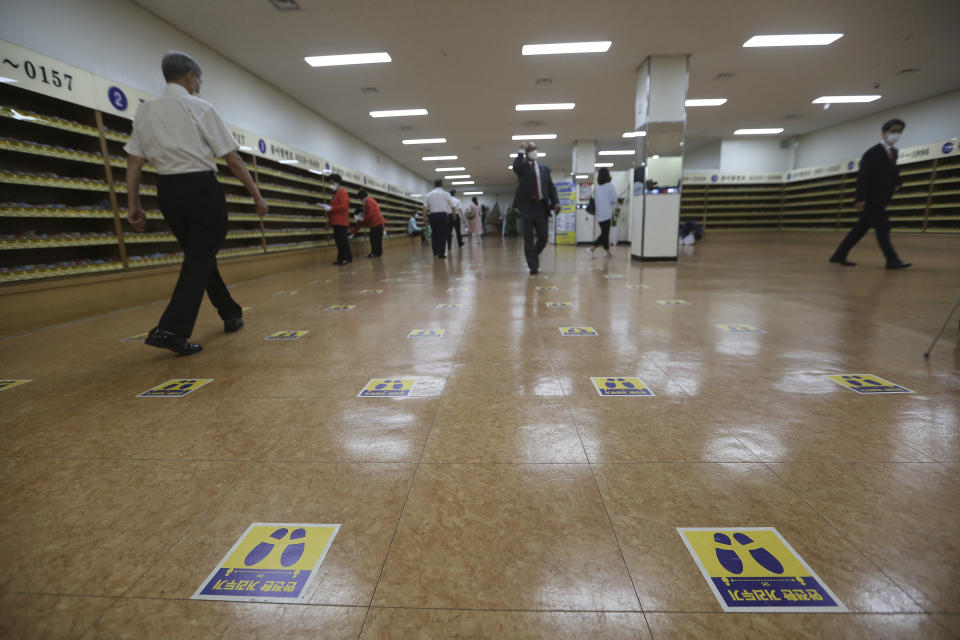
457	289
341	307
548	288
371	292
140	337
578	331
426	333
620	386
753	569
740	328
559	305
867	383
413	387
287	335
271	562
673	302
286	293
10	384
176	388
449	305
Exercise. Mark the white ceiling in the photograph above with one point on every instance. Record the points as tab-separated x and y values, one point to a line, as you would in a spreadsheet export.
461	60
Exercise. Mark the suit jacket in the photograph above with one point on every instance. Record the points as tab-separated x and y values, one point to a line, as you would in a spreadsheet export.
526	189
878	178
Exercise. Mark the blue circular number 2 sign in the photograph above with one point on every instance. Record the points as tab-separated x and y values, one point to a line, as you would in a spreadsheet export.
117	98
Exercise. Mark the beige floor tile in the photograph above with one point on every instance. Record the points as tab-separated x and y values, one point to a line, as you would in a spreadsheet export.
801	626
365	499
92	527
39	616
647	503
901	516
134	618
387	624
505	537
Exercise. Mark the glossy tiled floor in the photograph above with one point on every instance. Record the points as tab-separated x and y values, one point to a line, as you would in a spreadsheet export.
519	503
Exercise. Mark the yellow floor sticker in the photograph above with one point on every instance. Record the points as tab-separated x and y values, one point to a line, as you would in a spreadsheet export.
176	388
286	293
457	289
426	333
246	308
636	286
370	292
320	283
548	288
392	280
271	562
740	328
449	305
399	387
620	386
753	569
578	331
140	337
10	384
559	305
287	335
613	276
867	383
673	302
341	307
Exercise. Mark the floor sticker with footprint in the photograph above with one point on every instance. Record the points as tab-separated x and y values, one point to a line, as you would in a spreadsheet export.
271	562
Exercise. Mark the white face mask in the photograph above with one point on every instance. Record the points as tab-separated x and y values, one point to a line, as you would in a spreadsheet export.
892	138
532	154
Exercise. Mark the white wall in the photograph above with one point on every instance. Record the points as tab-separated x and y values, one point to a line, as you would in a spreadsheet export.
929	120
121	41
742	155
706	157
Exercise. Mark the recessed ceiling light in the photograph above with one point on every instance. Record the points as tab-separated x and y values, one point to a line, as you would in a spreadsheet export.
793	40
535	136
758	132
430	158
287	161
548	106
460	176
634	134
617	152
540	154
704	102
345	59
397	113
464	182
602	164
581	176
843	99
566	47
473	193
425	141
449	169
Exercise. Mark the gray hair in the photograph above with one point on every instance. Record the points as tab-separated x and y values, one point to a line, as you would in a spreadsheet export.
177	64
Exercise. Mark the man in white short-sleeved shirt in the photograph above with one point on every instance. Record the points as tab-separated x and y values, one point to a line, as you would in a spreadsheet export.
182	135
437	207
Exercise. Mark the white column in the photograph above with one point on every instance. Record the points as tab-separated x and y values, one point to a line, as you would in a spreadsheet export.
584	157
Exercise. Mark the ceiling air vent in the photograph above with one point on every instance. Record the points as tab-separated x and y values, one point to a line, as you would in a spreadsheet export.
724	76
533	123
544	82
906	71
285	5
370	90
406	127
791	116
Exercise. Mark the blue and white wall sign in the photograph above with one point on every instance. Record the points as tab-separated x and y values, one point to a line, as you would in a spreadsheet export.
117	98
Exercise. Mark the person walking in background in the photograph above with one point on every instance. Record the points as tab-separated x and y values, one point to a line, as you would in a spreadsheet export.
536	199
437	206
339	212
414	230
475	219
877	181
181	135
455	220
604	199
374	219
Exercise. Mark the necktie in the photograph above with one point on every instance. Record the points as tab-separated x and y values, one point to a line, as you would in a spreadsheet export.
893	155
536	177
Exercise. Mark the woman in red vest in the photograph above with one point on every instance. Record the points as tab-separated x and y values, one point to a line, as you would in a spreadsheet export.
339	211
374	219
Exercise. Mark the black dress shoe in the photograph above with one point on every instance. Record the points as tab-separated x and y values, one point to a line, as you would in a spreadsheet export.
534	272
232	325
340	263
842	261
899	264
168	340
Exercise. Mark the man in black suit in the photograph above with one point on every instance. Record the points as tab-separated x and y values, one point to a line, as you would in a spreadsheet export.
536	199
877	181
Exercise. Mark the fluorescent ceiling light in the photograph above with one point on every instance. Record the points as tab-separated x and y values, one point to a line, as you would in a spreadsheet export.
473	193
243	148
581	176
462	176
757	132
602	164
429	158
352	58
793	40
617	152
704	102
416	195
555	106
842	99
5	80
566	47
654	157
535	136
319	173
540	154
396	113
425	141
464	182
287	161
449	169
634	134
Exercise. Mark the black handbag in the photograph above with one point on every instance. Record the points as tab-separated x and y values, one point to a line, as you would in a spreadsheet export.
592	207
